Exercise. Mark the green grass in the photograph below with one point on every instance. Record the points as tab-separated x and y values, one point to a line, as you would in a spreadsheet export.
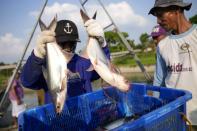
3	80
147	58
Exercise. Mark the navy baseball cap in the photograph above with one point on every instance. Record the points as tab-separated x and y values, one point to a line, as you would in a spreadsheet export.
157	31
66	31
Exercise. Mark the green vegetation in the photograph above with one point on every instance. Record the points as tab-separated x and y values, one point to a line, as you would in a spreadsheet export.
3	80
114	41
193	19
4	75
146	58
116	44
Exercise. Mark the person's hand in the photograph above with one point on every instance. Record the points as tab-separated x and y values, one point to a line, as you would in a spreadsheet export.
18	102
44	37
94	29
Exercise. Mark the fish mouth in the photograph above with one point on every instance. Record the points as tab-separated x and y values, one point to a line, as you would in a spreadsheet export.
128	85
58	109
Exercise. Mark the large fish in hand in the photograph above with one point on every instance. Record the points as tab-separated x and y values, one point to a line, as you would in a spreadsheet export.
101	64
56	73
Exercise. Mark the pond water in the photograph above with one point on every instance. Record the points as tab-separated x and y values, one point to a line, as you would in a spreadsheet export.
135	77
31	99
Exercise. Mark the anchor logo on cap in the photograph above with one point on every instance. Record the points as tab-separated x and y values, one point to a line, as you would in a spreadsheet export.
68	29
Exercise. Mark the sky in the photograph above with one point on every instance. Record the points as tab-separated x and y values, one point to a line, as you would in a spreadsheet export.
17	18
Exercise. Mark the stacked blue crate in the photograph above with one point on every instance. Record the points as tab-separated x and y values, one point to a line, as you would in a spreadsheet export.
91	110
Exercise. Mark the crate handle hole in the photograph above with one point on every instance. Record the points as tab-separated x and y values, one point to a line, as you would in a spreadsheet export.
153	93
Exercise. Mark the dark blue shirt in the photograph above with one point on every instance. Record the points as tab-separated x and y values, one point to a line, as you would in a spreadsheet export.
32	76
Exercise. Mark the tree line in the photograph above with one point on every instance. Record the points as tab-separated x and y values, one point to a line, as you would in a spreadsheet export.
116	45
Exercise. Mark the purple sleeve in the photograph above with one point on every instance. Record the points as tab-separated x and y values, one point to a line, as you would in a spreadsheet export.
31	75
14	82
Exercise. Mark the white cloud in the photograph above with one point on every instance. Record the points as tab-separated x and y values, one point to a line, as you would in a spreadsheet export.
122	13
63	11
10	48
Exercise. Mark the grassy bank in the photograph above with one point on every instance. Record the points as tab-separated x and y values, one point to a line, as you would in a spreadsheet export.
146	58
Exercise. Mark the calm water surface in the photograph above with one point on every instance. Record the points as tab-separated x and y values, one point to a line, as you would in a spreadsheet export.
31	99
137	77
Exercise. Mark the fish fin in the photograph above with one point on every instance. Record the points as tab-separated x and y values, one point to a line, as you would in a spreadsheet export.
63	84
96	60
94	16
45	73
84	16
104	83
91	68
118	70
51	27
67	71
42	25
53	24
112	67
71	75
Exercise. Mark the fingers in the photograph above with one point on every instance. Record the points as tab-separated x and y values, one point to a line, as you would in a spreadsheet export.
94	28
47	37
89	22
47	33
44	37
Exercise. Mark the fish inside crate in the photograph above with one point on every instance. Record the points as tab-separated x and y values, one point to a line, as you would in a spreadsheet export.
96	111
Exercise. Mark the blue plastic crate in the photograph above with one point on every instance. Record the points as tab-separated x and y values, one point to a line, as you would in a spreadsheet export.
93	110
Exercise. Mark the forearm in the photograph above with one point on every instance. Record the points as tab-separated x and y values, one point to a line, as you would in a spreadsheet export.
160	71
31	75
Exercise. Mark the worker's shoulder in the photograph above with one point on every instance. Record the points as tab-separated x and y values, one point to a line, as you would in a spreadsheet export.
164	41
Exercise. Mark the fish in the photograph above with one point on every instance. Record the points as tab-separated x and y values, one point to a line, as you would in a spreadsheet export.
100	63
56	72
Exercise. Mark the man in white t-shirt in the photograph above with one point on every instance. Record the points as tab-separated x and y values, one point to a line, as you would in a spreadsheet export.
176	65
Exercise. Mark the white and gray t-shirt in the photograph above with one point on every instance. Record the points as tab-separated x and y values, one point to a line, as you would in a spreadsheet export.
176	66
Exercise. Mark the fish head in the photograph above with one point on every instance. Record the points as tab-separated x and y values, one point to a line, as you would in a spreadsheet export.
59	104
59	96
122	83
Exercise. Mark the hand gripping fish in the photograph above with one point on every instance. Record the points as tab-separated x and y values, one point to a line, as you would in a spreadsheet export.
57	71
101	64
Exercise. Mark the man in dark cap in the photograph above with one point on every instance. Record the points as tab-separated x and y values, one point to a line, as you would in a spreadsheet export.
66	35
176	65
